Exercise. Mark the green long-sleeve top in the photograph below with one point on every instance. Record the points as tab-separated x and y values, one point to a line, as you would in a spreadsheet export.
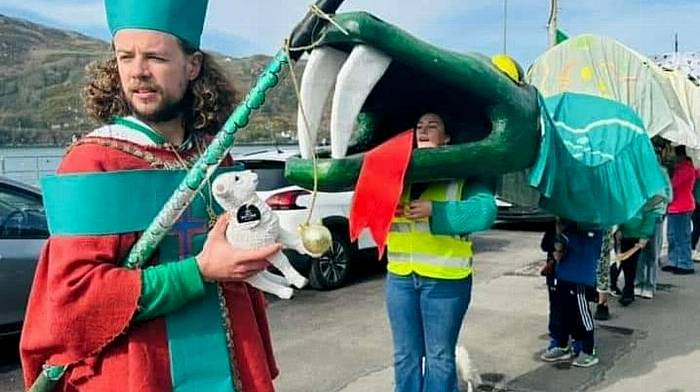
168	287
475	212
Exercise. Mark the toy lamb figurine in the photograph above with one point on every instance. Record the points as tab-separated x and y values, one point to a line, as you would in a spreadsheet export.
253	224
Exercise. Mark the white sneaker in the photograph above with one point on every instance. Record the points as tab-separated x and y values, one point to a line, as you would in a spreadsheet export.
696	254
647	293
637	291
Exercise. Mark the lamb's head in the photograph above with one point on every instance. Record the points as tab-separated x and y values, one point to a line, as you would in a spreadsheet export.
232	189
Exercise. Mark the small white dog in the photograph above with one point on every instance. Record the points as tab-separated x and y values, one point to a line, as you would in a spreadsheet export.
252	225
468	377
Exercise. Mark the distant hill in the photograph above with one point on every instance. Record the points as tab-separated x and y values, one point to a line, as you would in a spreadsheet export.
41	74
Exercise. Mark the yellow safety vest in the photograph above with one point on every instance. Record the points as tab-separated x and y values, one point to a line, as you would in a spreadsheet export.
413	248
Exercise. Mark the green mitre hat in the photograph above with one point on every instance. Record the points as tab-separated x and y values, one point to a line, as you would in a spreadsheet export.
181	18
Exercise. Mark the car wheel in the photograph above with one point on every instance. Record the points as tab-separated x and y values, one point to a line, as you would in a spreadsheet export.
333	269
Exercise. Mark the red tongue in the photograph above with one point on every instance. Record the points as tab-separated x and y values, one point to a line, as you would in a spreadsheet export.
378	189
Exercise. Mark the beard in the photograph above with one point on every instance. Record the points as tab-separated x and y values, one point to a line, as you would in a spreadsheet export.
168	110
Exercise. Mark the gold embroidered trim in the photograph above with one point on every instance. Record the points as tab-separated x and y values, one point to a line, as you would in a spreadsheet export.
136	151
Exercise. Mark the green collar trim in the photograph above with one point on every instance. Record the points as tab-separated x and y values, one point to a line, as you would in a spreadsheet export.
137	125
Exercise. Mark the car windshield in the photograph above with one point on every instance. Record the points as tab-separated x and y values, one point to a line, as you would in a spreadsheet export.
21	214
270	174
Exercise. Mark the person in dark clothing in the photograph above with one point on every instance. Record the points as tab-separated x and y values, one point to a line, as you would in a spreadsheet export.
628	267
634	233
571	276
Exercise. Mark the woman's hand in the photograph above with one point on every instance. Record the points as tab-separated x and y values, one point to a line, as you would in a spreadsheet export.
419	209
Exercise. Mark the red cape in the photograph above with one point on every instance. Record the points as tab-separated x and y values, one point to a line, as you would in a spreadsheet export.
81	306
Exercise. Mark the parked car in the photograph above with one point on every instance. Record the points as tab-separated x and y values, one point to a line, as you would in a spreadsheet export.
510	212
291	203
23	230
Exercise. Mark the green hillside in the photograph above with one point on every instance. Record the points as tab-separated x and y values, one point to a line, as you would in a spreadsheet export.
42	71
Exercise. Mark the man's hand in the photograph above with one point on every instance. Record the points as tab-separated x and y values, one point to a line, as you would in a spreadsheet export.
643	243
221	262
419	209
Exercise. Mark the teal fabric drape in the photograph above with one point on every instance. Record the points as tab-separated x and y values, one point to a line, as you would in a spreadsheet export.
596	164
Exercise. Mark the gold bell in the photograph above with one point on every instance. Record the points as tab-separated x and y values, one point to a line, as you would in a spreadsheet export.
315	237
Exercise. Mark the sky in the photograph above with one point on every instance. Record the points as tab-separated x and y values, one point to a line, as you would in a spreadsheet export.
242	28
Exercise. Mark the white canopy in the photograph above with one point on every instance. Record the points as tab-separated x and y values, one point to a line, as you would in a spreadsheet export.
666	101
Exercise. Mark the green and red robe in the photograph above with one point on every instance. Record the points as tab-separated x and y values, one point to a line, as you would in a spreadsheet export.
156	329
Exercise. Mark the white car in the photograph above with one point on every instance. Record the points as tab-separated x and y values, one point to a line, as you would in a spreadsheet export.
291	203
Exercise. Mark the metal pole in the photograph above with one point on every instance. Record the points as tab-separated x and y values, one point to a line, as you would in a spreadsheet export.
505	26
552	24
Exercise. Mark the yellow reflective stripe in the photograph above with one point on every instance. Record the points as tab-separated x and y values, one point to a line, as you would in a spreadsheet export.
429	260
401	227
407	227
424	243
427	270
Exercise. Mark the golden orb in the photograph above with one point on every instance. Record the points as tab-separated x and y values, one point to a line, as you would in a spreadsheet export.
315	237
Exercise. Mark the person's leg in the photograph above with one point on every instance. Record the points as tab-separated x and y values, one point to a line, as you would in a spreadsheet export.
553	326
561	312
403	306
583	327
603	278
614	277
443	305
558	349
648	264
569	314
629	268
655	263
685	262
641	280
695	234
674	226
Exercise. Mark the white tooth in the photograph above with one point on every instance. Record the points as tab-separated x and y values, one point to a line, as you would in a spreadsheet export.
316	84
359	75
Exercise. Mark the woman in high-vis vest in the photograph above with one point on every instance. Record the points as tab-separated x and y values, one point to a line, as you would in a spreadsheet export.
430	270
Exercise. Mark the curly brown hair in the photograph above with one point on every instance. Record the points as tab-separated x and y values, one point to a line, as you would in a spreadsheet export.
208	101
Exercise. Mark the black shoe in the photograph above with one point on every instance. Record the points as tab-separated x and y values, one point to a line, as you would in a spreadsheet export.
624	301
602	312
668	268
683	271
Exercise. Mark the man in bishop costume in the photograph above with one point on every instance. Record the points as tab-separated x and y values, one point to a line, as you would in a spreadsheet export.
185	321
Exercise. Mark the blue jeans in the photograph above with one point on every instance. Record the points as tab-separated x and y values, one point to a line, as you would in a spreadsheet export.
425	316
648	262
679	241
